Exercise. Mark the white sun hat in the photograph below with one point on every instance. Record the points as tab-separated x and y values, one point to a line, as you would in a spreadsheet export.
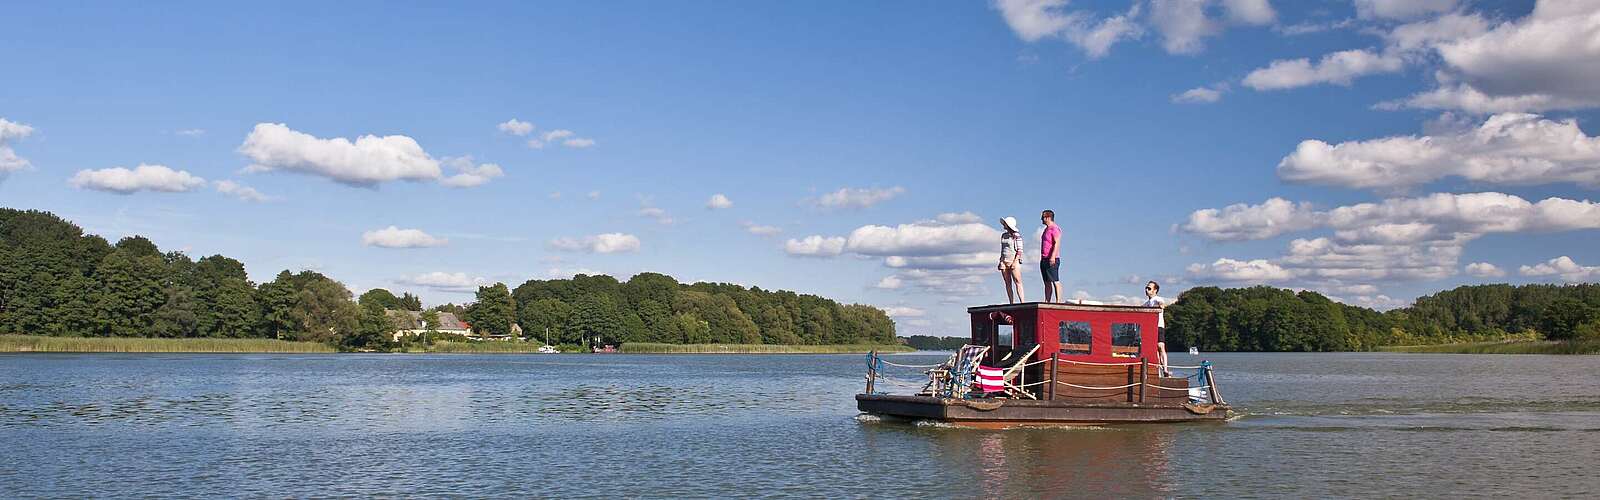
1010	224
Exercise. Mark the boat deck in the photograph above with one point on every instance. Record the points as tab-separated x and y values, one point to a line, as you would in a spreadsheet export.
1024	412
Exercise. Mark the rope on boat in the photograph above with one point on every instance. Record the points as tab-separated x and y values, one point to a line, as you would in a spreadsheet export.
1186	389
1109	388
890	363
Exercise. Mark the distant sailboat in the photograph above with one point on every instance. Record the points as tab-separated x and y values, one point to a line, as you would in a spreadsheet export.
547	348
1194	351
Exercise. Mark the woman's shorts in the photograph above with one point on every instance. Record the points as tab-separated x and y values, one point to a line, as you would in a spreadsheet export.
1051	272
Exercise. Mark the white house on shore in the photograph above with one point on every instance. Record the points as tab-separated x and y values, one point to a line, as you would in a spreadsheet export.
408	323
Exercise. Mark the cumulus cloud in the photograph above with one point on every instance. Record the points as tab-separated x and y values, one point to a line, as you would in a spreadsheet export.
578	142
394	237
904	312
445	282
815	246
12	131
957	218
760	230
1563	267
950	261
1484	270
949	282
659	214
144	177
857	198
1033	20
1545	61
1253	222
368	161
470	174
719	201
1337	68
599	243
889	283
516	127
1258	12
1182	24
1254	271
1508	148
1401	9
554	135
1198	95
923	239
240	191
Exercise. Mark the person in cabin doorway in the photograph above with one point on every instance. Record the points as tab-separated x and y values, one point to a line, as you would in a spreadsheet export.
1152	300
1011	259
1050	257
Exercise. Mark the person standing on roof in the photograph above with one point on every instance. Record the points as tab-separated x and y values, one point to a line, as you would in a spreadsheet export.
1011	259
1152	300
1050	257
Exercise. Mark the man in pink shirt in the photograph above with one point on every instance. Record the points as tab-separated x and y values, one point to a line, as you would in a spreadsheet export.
1050	257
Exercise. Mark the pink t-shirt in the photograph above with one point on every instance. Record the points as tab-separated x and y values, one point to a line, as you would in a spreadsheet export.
1047	242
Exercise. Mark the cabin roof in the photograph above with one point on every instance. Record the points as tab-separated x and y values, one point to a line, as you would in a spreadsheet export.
1063	307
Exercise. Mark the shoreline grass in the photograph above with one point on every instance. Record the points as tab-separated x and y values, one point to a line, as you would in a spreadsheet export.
655	348
1503	347
39	343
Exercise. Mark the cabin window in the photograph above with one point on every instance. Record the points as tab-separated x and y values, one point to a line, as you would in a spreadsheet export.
1076	337
1005	335
1125	340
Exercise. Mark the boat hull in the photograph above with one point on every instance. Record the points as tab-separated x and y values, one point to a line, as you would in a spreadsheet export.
990	413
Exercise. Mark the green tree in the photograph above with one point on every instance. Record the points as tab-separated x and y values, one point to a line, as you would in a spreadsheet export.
277	301
131	289
409	302
494	312
374	329
383	298
227	299
177	317
595	316
1562	317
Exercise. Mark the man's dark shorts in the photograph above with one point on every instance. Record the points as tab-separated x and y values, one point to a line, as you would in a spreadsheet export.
1051	272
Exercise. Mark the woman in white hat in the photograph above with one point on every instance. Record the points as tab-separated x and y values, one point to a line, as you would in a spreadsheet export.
1011	259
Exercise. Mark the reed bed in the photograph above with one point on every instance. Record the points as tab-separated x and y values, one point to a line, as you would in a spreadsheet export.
655	348
37	343
1505	347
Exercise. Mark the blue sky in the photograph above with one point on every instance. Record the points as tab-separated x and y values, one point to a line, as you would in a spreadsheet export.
1373	150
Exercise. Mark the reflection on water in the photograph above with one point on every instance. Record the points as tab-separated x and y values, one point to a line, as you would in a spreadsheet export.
696	426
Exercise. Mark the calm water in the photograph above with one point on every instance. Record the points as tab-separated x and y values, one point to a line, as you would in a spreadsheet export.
1368	425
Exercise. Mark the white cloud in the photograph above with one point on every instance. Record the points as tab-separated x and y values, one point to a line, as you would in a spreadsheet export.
1510	149
857	198
1307	28
1545	61
1182	24
554	135
957	218
141	178
1253	222
904	312
579	142
659	214
593	195
815	246
394	237
1428	34
1033	20
922	239
1337	68
599	243
1484	270
1380	302
240	191
1084	297
1198	95
1254	271
761	230
516	127
1401	9
719	201
1258	12
470	175
535	144
447	282
951	261
12	131
889	283
191	132
368	161
568	273
1563	267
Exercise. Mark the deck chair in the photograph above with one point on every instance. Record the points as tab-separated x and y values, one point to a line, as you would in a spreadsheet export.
1006	380
953	378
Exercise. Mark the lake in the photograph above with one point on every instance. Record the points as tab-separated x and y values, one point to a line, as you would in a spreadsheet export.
1345	424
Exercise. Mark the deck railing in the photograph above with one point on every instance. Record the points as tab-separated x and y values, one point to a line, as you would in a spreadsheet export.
934	386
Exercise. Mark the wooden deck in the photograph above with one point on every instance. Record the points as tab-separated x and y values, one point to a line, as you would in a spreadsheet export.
991	413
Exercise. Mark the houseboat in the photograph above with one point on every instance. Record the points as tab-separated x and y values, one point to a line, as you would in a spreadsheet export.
1049	364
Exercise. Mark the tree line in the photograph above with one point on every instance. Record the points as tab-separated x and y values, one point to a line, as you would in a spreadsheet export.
1264	318
56	280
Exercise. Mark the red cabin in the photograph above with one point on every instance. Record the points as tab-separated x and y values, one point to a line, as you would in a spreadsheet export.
1098	334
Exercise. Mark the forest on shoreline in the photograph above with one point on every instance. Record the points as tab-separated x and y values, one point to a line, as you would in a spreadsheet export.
57	281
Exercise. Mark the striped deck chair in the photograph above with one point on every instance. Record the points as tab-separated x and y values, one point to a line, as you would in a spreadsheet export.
1008	380
953	378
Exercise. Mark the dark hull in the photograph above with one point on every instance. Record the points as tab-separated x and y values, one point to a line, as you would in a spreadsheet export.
1024	412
